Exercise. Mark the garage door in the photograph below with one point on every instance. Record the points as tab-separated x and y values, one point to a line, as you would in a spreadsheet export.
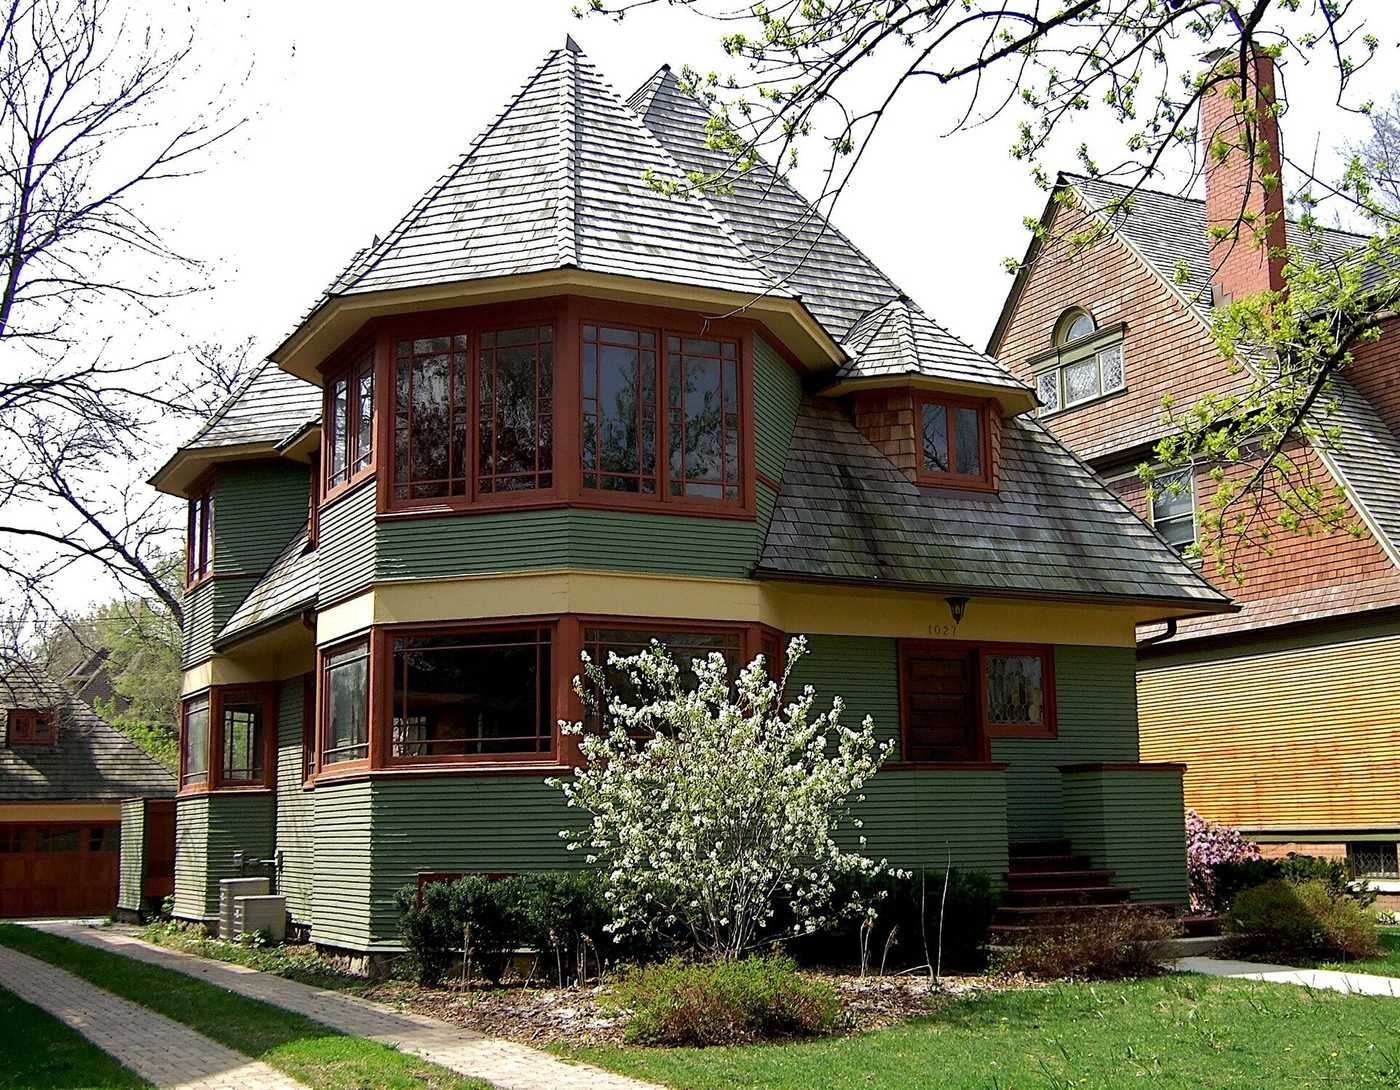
58	869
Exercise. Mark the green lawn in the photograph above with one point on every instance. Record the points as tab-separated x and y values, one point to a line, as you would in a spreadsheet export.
1172	1032
40	1053
1386	964
315	1054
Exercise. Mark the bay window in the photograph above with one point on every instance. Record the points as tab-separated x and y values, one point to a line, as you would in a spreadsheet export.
472	693
345	703
515	410
194	741
350	421
953	442
702	404
431	379
617	383
243	727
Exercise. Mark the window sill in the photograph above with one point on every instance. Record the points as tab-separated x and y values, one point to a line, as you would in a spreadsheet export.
544	768
203	790
354	484
683	509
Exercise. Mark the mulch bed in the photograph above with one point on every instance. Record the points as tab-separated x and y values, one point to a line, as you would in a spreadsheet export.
540	1015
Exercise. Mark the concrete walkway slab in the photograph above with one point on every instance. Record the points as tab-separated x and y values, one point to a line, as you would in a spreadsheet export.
506	1064
162	1052
1326	979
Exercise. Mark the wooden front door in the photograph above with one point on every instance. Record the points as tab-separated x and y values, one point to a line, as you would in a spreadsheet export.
940	704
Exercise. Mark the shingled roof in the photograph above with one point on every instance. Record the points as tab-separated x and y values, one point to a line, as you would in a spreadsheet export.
291	583
1052	528
270	406
90	759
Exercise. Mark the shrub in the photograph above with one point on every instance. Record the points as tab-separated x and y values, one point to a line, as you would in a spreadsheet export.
430	930
1119	945
1229	879
1210	845
722	1003
902	912
1305	919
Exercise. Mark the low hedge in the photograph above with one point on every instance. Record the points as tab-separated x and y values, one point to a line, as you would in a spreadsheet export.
1232	879
1307	919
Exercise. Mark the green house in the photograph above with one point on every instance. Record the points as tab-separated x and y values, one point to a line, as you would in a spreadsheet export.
554	410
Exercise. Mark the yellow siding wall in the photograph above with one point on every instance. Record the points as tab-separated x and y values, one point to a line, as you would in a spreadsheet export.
1284	735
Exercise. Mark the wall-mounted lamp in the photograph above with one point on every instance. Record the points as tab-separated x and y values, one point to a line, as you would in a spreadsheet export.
957	606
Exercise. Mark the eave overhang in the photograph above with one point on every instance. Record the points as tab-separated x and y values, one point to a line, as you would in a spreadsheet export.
1013	400
338	317
187	465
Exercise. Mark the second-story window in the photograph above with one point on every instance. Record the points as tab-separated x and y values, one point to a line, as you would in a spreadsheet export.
702	405
1174	508
618	387
515	410
1082	367
350	422
953	442
199	541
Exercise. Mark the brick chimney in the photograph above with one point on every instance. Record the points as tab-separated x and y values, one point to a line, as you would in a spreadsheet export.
1249	258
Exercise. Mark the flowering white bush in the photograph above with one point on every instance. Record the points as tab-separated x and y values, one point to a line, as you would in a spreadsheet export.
715	805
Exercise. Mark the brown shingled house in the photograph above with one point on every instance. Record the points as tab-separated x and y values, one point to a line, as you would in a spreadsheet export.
1286	712
64	773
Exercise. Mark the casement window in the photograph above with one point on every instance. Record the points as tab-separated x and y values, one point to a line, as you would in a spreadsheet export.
475	693
955	697
31	727
194	741
431	417
199	536
243	742
515	410
1018	686
1087	363
350	422
624	386
308	726
1173	508
345	704
953	442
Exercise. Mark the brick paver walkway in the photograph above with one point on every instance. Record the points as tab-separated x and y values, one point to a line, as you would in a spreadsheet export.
160	1051
508	1065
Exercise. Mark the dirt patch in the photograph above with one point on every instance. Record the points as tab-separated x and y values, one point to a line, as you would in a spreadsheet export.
538	1016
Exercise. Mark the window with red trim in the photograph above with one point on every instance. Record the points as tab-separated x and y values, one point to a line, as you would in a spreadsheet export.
199	537
953	442
431	417
350	421
471	693
683	645
243	738
1018	685
194	741
308	726
31	727
515	410
618	428
345	704
702	407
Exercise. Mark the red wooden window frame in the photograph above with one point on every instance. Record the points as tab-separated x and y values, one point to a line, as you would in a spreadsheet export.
980	652
489	346
595	338
678	350
951	478
187	703
353	368
324	704
313	518
545	644
408	350
309	754
261	698
31	727
199	535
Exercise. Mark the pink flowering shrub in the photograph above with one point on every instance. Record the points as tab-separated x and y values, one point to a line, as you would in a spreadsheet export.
1209	843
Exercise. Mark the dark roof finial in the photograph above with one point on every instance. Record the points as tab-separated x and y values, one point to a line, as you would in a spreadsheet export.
571	45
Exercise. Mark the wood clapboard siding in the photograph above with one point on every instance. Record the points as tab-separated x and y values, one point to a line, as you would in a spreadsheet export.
863	671
258	508
510	824
1295	733
198	643
919	819
340	894
1097	716
296	808
209	829
777	395
347	545
1133	823
133	849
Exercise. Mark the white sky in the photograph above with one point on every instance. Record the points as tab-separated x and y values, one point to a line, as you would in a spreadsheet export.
358	106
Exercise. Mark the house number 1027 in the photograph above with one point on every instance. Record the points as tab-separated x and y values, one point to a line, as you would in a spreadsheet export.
942	629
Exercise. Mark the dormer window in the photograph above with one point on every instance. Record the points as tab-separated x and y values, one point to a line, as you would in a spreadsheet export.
1086	363
953	442
32	727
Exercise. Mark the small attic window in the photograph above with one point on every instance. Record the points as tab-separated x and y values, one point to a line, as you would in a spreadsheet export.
1074	324
32	727
953	442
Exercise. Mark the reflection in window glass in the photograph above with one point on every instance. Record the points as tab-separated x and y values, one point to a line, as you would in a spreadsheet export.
1080	325
1047	386
194	737
1015	690
243	742
1174	508
618	392
104	838
969	438
430	417
935	438
703	422
364	415
472	694
1081	380
515	410
346	685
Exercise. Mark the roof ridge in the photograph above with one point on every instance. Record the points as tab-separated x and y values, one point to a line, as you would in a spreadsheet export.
229	401
566	210
459	164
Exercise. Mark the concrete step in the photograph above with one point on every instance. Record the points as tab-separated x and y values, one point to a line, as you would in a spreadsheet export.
1019	864
1021	849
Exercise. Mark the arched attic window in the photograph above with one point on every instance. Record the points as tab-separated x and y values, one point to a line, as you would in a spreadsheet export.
1084	363
1073	324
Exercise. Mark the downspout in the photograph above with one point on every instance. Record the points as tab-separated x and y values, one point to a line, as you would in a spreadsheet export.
1166	634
